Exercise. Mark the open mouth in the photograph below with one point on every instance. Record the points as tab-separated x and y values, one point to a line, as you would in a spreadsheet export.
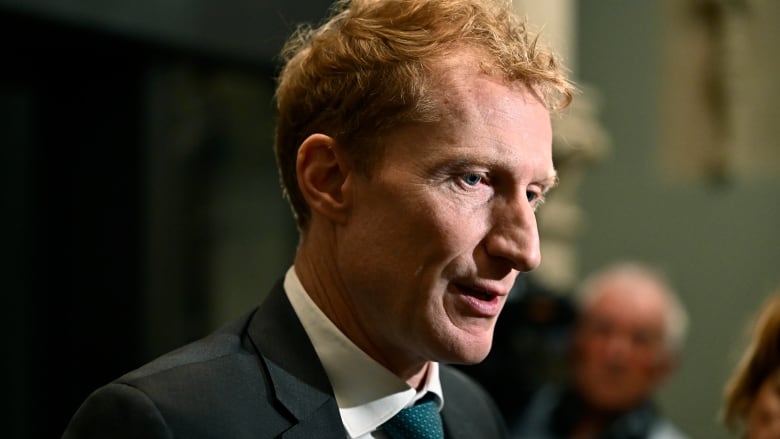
476	293
481	295
478	302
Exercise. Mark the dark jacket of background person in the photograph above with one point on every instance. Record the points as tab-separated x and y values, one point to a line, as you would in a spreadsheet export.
554	411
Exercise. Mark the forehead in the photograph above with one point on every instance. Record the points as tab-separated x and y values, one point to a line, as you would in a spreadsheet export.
633	302
475	108
467	85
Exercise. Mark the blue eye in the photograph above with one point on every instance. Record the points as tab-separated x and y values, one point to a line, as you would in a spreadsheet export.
535	199
471	179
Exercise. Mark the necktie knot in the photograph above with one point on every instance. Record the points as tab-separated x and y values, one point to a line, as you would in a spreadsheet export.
420	421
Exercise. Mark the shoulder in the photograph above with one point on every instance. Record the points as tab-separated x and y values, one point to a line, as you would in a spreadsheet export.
119	411
226	345
468	407
189	392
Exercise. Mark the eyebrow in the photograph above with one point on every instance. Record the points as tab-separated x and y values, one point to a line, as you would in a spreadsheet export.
550	182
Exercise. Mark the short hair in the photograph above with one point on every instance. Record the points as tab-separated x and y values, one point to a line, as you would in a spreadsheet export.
675	317
761	360
369	69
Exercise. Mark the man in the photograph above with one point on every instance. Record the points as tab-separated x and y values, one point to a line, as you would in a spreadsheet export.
414	145
626	343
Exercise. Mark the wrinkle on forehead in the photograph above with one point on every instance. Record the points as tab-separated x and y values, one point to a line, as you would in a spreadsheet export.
457	77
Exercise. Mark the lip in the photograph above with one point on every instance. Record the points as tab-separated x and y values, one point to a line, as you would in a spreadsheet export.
479	299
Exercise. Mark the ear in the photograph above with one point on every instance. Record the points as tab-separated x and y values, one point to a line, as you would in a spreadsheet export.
323	177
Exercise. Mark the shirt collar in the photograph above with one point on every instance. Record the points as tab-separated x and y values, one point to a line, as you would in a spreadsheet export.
366	392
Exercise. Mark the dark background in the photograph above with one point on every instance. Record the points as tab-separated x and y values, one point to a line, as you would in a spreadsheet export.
83	92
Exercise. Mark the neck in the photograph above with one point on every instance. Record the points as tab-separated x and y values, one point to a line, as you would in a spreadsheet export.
417	381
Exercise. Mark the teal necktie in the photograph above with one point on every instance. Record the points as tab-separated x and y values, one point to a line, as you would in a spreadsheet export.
420	421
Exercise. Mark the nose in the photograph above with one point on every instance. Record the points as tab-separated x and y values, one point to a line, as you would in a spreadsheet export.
514	235
617	345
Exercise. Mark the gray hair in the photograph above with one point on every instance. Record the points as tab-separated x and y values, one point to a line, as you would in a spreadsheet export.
676	323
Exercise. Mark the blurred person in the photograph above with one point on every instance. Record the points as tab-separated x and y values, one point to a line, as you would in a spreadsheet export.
752	394
626	342
414	145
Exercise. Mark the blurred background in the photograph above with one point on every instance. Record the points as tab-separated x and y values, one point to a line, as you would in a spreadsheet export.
141	207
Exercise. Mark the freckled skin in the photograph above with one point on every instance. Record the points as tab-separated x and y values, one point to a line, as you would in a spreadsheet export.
447	215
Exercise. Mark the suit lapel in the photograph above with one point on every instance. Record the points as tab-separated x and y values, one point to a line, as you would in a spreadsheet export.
468	412
452	416
317	412
298	379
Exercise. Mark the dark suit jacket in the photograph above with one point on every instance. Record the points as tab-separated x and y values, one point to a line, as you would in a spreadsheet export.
258	377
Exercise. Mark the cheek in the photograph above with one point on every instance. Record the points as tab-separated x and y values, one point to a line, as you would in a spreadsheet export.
403	244
590	362
652	368
420	232
463	226
590	348
649	363
443	229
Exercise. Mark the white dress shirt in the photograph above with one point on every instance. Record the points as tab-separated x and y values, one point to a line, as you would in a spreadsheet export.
366	392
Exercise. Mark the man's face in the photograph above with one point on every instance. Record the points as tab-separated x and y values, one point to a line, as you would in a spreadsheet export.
620	352
445	221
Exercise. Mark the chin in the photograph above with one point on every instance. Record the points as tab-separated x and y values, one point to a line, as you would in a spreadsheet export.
470	352
473	360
